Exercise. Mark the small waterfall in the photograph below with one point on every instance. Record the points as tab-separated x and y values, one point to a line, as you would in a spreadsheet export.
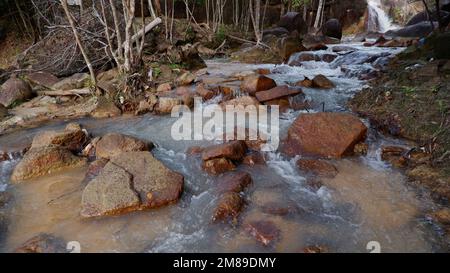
378	20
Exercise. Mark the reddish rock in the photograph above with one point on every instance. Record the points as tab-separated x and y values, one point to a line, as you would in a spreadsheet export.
218	165
361	148
194	150
43	243
228	207
43	161
113	144
266	232
204	92
277	93
263	71
394	155
131	181
278	208
253	142
305	83
442	216
318	167
255	158
14	90
43	79
320	81
95	168
282	103
253	84
233	150
331	135
314	183
315	249
317	46
72	138
233	182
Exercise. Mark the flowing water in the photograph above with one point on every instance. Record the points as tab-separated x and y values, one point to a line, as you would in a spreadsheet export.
378	20
367	201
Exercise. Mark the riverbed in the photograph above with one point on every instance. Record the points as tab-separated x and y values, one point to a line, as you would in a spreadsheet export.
367	201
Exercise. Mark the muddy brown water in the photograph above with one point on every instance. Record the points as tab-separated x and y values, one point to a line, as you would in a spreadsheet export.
367	201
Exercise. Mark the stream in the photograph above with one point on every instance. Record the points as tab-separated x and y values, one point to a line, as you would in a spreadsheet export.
367	201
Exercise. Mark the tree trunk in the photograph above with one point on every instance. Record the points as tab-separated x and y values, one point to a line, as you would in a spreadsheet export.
319	14
77	39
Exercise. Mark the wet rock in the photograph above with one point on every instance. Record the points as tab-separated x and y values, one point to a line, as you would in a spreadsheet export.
113	144
328	58
279	208
306	82
43	79
320	81
265	232
166	104
45	160
14	90
318	167
314	183
228	207
253	140
205	93
43	243
253	84
424	17
394	155
263	71
332	28
218	165
361	149
315	249
255	158
105	109
234	150
331	135
304	57
277	93
194	150
76	81
233	182
339	49
131	181
441	216
72	138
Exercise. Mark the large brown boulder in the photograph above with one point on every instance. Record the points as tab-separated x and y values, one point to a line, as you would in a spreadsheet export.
256	83
113	144
131	181
72	138
332	135
15	90
277	93
45	160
